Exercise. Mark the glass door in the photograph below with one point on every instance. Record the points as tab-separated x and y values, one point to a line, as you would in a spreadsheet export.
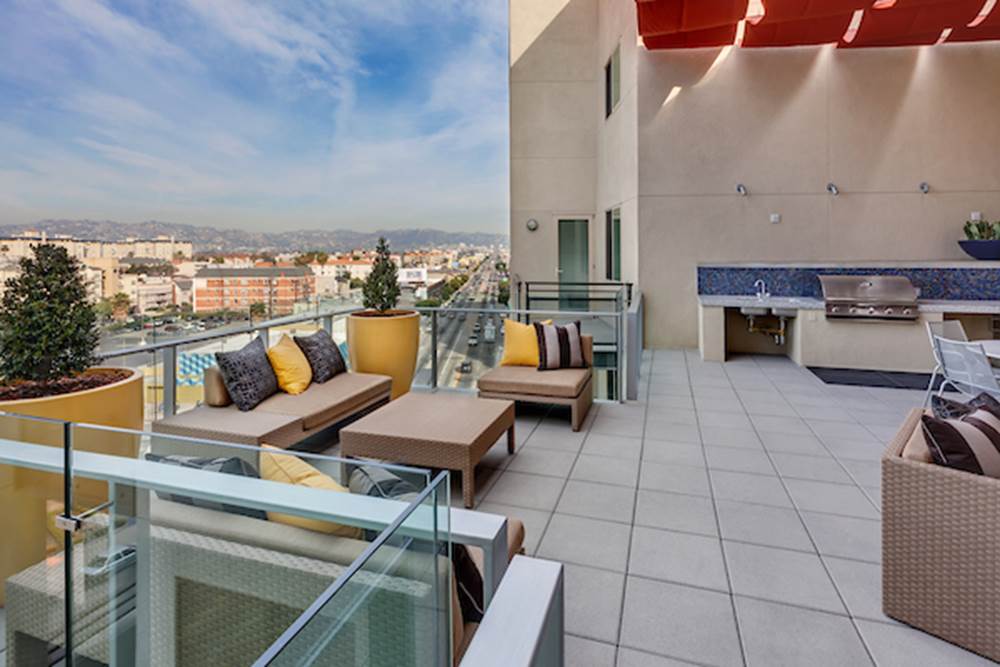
574	263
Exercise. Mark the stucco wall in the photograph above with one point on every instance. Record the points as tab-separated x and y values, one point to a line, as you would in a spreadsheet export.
554	91
877	122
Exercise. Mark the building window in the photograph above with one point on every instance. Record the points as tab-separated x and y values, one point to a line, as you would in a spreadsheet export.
612	82
613	244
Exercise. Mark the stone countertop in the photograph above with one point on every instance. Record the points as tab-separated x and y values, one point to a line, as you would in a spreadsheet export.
861	264
808	303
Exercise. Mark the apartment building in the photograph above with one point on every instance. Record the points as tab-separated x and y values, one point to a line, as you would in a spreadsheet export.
165	248
634	157
147	293
278	288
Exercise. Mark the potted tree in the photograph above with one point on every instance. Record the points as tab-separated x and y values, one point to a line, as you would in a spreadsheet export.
48	334
382	339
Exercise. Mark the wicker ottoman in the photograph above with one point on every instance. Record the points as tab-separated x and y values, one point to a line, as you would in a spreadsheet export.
443	431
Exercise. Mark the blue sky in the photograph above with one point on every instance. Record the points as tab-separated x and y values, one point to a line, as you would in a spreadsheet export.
291	114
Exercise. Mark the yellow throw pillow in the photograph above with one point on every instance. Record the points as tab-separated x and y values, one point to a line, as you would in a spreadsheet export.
290	366
520	344
290	469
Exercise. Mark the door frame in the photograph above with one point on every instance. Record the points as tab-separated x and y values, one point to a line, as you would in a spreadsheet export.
568	302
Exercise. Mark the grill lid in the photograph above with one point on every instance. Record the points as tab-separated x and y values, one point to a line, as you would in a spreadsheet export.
869	290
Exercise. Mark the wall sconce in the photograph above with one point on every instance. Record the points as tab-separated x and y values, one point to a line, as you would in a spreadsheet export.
532	224
832	189
742	190
925	187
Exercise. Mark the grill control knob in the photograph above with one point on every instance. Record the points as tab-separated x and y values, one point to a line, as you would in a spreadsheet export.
834	309
907	311
888	311
871	311
853	310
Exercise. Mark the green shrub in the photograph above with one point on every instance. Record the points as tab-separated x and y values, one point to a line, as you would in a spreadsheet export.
47	324
982	230
381	289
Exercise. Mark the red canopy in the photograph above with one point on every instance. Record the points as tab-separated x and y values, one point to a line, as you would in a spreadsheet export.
680	24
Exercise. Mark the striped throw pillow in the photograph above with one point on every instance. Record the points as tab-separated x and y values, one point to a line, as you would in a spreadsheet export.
971	443
559	346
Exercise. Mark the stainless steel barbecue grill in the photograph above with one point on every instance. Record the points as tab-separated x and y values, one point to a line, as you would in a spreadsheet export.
870	297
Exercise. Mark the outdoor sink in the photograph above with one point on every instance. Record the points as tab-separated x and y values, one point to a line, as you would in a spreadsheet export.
754	311
785	312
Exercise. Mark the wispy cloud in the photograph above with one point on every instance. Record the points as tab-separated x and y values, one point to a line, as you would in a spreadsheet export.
317	114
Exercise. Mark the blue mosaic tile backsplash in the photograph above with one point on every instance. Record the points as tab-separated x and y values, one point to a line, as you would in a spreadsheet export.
934	283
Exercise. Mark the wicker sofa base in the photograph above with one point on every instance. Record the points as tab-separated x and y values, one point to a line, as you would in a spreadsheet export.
941	548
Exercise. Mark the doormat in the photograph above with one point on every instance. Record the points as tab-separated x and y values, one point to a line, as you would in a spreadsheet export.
863	378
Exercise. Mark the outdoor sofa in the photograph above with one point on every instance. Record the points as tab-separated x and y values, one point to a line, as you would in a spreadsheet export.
940	545
281	420
528	384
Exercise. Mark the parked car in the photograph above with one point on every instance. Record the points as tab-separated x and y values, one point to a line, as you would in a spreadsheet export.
473	341
465	367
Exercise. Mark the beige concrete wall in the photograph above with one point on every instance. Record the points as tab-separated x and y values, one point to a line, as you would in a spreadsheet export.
784	122
554	91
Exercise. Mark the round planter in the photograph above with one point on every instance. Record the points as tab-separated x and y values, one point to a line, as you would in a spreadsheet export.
385	345
25	495
988	250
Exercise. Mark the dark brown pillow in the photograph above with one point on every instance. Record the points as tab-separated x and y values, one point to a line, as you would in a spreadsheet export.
559	346
971	443
323	355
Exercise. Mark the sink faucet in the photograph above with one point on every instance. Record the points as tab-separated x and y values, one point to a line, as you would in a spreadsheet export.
761	288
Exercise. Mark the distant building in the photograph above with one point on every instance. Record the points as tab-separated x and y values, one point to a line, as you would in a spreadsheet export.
164	248
147	293
278	288
92	277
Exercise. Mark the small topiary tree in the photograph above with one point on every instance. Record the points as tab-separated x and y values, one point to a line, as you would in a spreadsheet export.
47	324
381	290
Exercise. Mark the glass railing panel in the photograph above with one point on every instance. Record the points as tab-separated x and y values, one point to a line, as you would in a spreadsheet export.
469	344
31	541
209	565
391	608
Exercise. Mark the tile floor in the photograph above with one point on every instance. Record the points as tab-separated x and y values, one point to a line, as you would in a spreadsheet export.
729	517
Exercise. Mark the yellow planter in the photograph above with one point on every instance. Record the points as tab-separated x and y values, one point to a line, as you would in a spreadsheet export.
385	345
25	495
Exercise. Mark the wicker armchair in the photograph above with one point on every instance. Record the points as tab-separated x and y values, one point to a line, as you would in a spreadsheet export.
940	546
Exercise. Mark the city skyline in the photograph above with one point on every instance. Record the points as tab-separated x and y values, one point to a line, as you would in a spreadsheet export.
347	115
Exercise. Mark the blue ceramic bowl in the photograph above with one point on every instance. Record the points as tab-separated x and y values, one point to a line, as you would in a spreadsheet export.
981	249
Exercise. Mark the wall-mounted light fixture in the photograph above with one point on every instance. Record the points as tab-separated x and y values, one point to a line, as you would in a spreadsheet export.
532	224
832	189
742	190
925	187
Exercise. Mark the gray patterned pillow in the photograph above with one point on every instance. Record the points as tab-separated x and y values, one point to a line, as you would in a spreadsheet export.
231	466
248	374
323	355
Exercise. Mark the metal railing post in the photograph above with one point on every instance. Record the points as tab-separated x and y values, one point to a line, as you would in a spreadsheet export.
169	381
68	609
327	323
434	349
265	335
620	344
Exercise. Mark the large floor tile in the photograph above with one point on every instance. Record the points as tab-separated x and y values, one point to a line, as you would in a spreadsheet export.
673	432
612	445
847	537
792	425
794	443
749	488
680	621
538	461
677	479
524	490
776	635
675	511
678	557
818	468
588	653
561	438
628	657
606	469
860	584
593	603
656	403
760	524
573	539
629	427
725	436
739	460
672	416
598	501
902	646
782	576
847	500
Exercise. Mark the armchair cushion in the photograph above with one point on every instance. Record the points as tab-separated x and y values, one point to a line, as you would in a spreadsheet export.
561	383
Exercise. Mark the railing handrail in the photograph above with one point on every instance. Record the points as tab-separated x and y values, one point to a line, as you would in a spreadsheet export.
324	598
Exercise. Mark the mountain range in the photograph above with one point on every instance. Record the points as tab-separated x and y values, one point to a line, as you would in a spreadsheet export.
213	239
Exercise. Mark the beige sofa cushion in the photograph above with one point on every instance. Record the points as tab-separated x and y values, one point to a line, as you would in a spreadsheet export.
916	447
562	383
324	403
231	425
216	393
